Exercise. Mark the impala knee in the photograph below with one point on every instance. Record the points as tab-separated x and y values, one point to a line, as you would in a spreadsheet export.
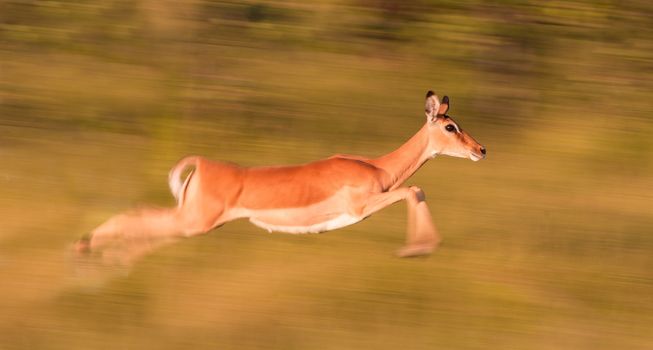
421	196
195	229
196	226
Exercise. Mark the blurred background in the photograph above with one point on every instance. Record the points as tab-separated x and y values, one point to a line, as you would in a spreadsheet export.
547	242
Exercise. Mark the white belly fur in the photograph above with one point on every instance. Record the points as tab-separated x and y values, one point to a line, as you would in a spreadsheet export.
330	214
336	223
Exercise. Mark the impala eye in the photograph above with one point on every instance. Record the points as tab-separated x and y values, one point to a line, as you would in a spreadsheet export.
450	128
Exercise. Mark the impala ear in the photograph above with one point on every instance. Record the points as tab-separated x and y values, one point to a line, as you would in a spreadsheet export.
444	106
432	106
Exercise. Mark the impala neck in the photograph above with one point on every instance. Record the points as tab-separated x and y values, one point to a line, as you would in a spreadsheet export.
404	161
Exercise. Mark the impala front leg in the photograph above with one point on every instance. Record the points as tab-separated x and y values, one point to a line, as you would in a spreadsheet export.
421	235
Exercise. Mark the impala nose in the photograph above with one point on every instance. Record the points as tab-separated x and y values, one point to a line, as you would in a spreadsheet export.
483	150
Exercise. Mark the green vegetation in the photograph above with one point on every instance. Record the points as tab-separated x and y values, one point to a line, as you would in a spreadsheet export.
547	242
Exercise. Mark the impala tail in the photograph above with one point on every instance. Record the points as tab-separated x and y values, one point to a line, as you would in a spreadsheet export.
177	186
445	135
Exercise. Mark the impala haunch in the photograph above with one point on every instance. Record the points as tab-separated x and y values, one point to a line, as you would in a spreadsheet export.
320	196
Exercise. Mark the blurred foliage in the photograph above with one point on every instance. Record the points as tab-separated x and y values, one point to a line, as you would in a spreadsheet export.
547	242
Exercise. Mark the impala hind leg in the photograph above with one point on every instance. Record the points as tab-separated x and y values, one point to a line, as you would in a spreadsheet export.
197	220
422	235
126	237
136	225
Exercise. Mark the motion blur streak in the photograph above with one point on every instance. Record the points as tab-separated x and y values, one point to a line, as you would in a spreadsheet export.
547	242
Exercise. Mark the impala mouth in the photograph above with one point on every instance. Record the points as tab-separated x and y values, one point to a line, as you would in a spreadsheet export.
475	156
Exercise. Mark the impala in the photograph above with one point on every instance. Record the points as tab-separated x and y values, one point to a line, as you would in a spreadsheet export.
315	197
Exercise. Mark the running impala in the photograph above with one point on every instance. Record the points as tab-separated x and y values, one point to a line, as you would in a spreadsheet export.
320	196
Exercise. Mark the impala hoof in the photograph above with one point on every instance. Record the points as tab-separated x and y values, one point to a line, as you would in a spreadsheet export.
415	250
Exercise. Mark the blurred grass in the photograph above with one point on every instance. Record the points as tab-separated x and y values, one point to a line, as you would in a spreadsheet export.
547	242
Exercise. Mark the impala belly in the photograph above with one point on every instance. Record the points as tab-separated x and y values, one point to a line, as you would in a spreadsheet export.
329	214
327	225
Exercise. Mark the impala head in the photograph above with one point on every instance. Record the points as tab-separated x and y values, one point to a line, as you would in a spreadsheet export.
445	135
